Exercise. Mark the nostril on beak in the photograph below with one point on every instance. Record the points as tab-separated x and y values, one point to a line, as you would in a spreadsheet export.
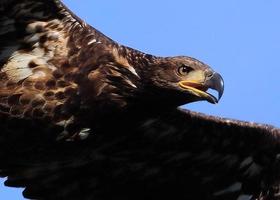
209	73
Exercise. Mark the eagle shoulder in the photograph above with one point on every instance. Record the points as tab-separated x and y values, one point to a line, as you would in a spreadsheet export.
42	43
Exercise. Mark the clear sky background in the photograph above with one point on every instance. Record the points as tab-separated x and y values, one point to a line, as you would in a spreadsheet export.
239	39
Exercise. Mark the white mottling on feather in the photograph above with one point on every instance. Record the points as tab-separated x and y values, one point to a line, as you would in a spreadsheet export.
32	27
38	52
38	75
32	38
92	41
124	62
84	133
130	83
133	71
39	61
228	121
53	35
65	123
17	66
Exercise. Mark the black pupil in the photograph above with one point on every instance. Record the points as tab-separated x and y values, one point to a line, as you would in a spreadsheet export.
185	69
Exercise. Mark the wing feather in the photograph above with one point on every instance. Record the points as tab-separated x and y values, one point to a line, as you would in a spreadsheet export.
179	155
175	155
34	37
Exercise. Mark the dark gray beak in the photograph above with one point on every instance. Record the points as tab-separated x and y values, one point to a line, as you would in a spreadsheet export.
215	82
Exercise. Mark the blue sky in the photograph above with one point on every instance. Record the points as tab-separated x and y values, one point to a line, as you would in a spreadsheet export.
239	39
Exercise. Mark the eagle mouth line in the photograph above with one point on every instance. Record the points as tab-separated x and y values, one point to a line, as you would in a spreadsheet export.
199	90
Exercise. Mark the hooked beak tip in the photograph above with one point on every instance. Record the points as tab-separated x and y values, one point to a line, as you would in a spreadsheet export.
216	82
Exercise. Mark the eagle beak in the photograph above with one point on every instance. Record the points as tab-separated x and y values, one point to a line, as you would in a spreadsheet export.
215	82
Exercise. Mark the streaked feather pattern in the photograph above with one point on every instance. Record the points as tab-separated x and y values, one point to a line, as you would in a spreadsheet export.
62	80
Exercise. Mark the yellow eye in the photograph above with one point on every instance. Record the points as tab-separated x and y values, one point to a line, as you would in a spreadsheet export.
184	70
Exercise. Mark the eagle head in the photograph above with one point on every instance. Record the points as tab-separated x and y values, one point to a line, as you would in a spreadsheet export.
133	77
180	80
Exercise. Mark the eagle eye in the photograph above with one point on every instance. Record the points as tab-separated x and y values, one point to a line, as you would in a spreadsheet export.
184	70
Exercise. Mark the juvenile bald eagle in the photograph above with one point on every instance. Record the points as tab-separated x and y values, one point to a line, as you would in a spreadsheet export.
82	118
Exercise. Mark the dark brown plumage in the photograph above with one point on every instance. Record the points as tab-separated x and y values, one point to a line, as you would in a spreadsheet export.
62	81
56	68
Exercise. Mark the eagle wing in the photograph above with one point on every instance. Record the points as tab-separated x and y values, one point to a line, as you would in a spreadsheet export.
40	57
177	155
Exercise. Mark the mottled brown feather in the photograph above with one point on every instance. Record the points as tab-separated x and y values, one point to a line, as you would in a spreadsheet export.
60	77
